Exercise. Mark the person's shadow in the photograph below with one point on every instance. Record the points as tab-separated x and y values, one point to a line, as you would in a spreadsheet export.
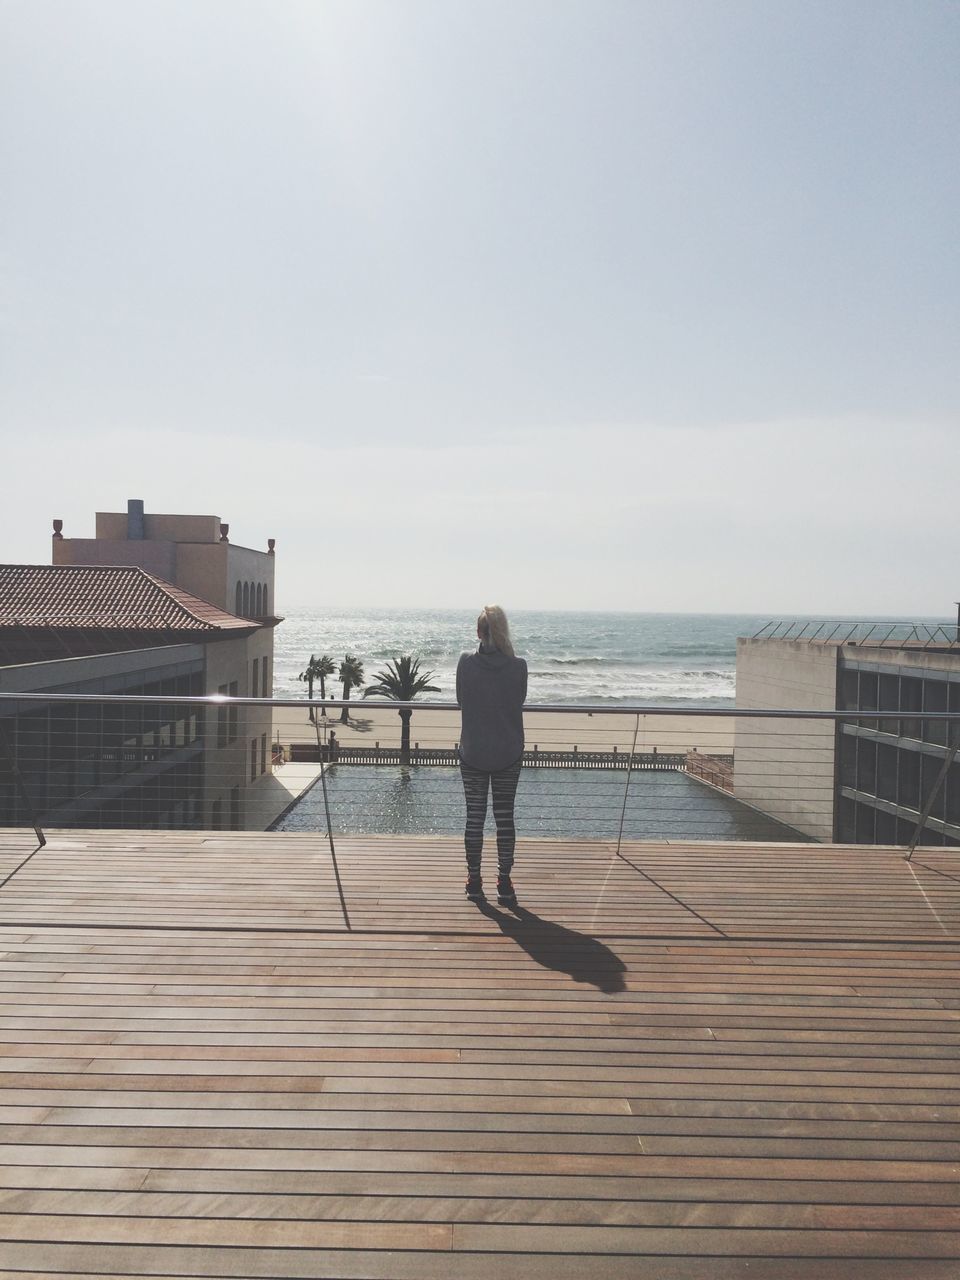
552	945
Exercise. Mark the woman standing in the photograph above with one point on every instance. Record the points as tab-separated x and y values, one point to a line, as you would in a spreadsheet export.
491	690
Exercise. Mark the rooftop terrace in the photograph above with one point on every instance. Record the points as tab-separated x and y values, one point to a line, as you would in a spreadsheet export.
698	1061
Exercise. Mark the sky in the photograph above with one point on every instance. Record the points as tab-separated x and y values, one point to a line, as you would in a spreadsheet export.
641	305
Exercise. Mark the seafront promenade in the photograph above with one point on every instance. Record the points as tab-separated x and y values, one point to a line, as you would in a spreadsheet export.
224	1054
551	731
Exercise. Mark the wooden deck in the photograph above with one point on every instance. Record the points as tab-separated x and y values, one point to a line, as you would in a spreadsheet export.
690	1063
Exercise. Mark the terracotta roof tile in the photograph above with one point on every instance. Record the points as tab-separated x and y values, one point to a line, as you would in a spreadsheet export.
122	597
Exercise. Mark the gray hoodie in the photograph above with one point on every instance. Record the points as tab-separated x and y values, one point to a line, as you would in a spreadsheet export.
491	690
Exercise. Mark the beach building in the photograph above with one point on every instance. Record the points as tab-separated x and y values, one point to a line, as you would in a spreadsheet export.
192	552
854	782
157	606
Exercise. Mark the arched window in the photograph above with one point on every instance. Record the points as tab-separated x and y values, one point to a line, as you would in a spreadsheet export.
245	611
259	599
266	601
239	609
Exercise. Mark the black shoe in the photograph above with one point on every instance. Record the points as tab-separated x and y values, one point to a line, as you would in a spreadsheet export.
506	894
474	886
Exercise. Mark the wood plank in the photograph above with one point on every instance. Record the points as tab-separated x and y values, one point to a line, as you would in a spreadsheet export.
203	1072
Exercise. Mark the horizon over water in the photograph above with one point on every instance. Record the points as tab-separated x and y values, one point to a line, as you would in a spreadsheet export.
660	659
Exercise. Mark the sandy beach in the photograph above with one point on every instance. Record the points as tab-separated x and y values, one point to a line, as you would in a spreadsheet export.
556	731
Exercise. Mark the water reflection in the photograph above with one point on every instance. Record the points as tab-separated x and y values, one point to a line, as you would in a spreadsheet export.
550	802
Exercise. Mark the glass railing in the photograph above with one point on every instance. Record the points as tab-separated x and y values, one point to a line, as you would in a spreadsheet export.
597	773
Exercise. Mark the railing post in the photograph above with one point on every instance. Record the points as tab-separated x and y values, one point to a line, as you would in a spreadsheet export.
934	791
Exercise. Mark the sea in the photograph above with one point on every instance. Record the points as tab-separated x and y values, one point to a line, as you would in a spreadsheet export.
659	659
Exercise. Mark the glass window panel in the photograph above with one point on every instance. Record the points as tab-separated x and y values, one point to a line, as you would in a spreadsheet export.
886	828
911	699
905	830
234	716
930	767
952	796
935	699
887	772
849	689
868	691
867	766
889	700
847	823
848	760
866	824
909	779
223	719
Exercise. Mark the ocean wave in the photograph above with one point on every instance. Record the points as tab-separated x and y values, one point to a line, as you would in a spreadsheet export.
572	658
586	661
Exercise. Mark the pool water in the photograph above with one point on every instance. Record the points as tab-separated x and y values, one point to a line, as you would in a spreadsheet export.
550	802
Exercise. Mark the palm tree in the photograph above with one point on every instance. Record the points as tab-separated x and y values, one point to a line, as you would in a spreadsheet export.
402	682
351	677
317	669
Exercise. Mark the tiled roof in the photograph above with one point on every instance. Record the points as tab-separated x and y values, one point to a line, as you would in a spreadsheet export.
122	597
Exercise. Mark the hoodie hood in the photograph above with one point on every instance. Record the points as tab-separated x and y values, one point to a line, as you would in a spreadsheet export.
493	659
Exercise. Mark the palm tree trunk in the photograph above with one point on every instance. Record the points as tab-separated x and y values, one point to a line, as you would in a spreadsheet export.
346	693
310	696
323	694
404	736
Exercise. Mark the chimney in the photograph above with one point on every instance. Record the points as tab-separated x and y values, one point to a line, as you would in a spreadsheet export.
135	531
224	533
58	529
271	546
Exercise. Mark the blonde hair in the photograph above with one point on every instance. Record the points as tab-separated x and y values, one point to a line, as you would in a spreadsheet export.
493	628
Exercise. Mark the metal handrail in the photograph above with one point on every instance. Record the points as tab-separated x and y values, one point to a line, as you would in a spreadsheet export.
559	708
887	721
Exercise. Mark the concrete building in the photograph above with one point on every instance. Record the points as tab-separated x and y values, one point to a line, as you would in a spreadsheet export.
194	552
856	782
109	627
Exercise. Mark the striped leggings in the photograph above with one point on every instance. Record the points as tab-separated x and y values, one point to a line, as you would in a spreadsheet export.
503	784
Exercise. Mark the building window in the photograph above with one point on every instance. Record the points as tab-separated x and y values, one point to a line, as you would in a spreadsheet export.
266	601
222	717
265	678
253	759
239	608
263	753
255	681
245	611
952	795
867	767
234	716
848	762
935	699
259	599
911	699
909	796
